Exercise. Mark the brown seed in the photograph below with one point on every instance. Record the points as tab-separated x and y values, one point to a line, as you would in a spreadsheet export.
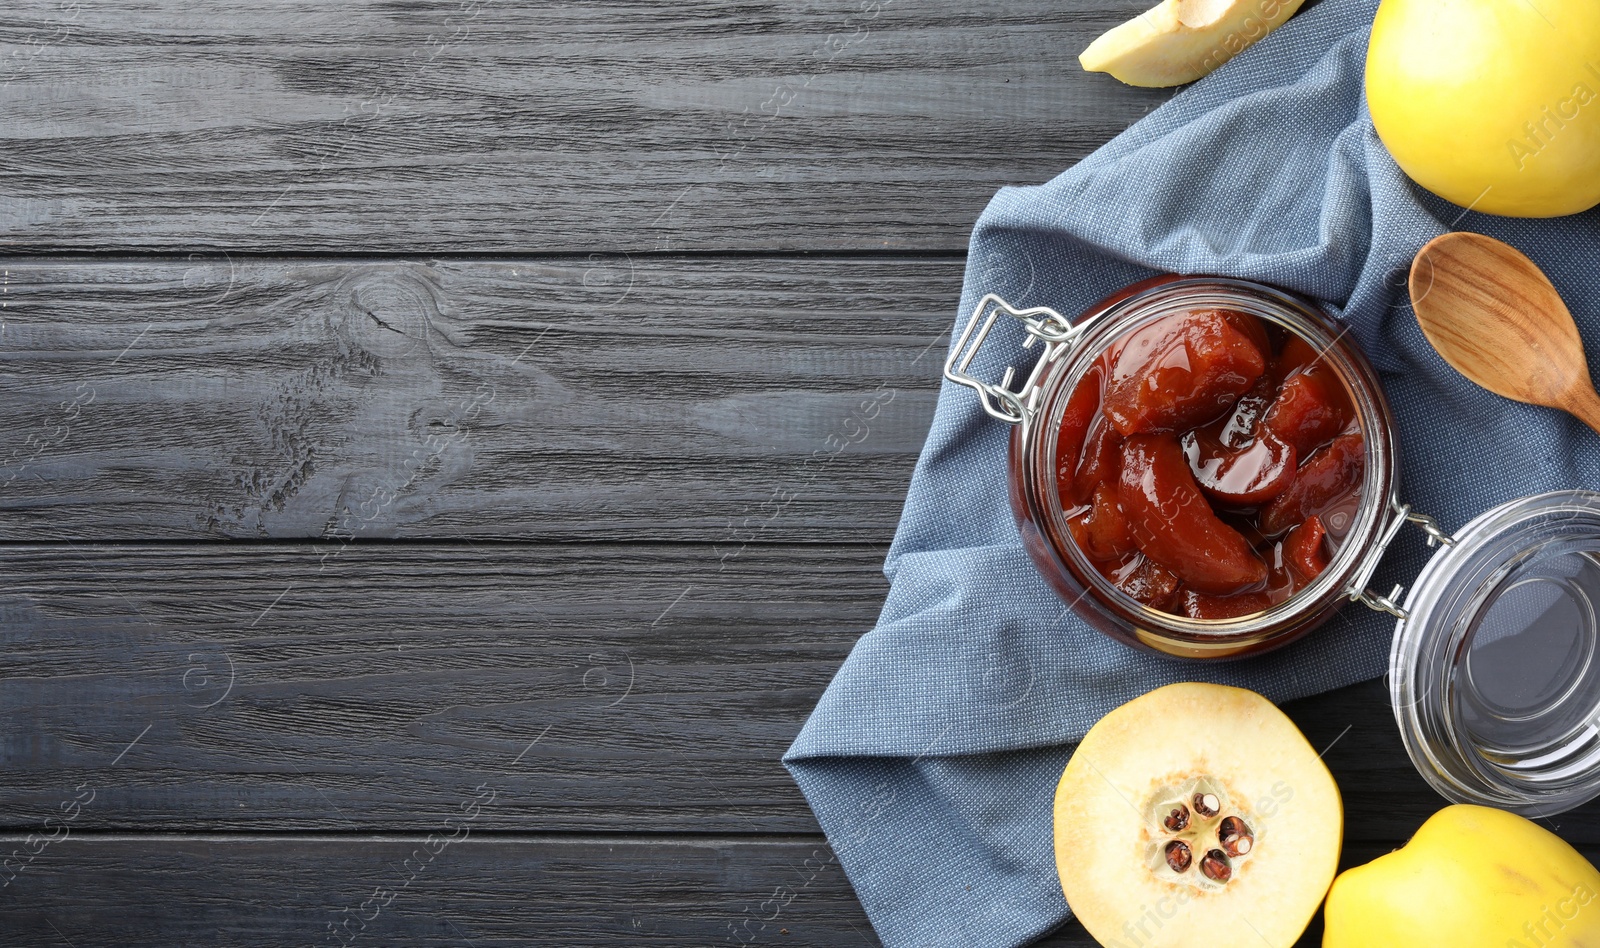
1215	866
1178	855
1234	836
1178	820
1207	804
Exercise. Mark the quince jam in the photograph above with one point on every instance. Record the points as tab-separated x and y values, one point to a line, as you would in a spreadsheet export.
1210	463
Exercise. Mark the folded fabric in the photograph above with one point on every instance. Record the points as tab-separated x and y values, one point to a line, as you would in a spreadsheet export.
932	758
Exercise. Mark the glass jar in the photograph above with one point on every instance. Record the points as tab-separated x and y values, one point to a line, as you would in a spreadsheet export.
1494	671
1037	407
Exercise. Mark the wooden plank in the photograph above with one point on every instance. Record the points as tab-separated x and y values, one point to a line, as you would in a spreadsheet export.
474	890
734	401
484	125
368	686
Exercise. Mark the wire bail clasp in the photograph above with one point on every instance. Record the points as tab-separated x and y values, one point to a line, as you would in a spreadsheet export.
1402	514
999	400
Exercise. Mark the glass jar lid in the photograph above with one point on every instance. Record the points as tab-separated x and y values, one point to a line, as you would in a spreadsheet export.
1494	675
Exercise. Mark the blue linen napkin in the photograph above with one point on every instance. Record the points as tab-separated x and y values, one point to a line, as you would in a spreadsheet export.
932	758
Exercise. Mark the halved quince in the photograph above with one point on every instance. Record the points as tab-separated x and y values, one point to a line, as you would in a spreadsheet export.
1196	815
1179	41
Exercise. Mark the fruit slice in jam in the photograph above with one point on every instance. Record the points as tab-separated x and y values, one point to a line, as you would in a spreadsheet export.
1250	327
1081	410
1102	459
1199	479
1248	476
1144	581
1180	371
1303	549
1102	530
1296	354
1174	525
1238	428
1311	408
1198	605
1326	477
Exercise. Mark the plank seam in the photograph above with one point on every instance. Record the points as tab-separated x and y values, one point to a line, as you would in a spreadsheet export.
44	253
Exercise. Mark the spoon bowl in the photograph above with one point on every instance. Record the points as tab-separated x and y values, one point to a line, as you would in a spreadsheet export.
1496	318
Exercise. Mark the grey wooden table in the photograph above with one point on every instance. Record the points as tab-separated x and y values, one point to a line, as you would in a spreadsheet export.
435	482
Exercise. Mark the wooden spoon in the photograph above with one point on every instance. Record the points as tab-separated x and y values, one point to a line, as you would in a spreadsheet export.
1494	316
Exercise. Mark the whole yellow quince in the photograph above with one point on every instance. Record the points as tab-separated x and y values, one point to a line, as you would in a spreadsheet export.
1472	877
1491	104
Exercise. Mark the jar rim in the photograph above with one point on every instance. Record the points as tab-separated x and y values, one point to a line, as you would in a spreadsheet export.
1182	635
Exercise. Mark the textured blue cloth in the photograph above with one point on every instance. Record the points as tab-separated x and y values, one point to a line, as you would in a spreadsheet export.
932	758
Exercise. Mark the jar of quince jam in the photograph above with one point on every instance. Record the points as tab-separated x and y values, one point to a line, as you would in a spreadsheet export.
1206	468
1203	467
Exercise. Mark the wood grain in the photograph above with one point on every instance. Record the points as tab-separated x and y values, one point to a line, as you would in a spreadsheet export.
366	686
1496	318
729	401
485	125
228	890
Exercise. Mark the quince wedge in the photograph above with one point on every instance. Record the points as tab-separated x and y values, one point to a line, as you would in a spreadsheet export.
1471	877
1179	41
